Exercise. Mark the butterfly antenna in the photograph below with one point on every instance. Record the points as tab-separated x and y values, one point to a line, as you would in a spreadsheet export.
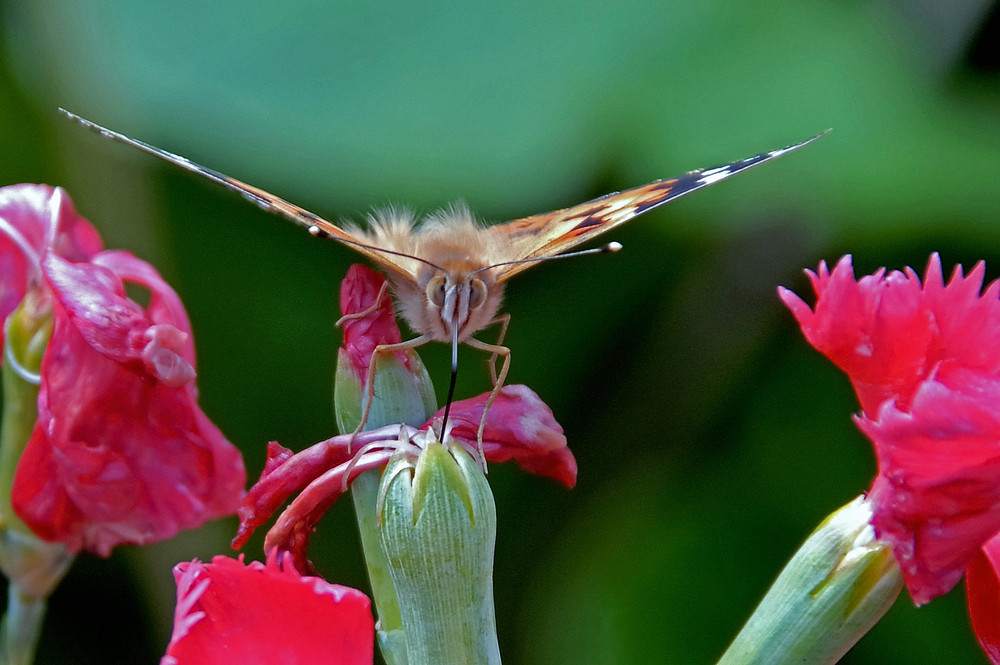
454	379
320	233
603	249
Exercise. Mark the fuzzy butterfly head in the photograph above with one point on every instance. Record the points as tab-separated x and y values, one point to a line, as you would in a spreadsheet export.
440	268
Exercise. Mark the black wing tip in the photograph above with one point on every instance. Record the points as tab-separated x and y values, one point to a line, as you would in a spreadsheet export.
795	146
813	138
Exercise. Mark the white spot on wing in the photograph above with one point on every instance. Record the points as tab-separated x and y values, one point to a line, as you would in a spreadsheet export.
714	175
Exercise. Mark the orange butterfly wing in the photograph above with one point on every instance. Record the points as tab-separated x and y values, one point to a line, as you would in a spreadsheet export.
555	232
269	202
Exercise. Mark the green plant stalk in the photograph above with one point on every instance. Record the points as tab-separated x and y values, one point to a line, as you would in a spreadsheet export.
401	395
838	584
33	566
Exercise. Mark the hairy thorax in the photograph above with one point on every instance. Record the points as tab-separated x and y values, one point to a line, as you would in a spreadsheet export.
453	292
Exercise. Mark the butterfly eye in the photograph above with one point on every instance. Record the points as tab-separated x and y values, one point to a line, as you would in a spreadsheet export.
477	293
436	290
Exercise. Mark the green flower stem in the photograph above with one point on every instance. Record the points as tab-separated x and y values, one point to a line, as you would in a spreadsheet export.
21	627
439	531
833	590
27	333
33	566
401	395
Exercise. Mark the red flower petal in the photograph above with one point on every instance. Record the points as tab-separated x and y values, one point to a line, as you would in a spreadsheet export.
284	474
358	291
519	427
937	494
876	329
231	613
983	588
35	219
121	453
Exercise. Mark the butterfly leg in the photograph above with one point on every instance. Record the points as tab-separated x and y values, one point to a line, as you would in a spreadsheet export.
370	378
369	310
503	320
496	350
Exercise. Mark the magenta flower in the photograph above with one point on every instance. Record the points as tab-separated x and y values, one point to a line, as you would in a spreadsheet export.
229	613
924	360
120	452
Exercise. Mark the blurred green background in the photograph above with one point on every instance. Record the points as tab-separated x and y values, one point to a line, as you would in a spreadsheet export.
710	438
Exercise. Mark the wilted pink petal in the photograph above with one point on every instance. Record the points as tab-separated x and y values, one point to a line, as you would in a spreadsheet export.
35	219
121	452
229	613
519	427
286	473
294	527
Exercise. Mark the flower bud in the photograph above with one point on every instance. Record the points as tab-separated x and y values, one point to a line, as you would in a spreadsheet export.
438	530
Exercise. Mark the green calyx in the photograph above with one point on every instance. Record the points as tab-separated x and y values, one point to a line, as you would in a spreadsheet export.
833	590
402	393
438	531
436	467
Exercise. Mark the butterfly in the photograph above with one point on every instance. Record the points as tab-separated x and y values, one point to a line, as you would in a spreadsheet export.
448	271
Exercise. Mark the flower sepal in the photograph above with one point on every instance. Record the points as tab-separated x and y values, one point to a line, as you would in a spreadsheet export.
403	392
834	589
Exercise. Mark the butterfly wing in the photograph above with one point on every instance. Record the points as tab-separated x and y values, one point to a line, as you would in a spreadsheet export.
555	232
316	225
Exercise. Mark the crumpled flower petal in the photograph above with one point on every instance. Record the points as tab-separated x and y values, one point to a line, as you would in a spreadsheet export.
229	613
35	219
519	427
937	494
121	452
924	360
